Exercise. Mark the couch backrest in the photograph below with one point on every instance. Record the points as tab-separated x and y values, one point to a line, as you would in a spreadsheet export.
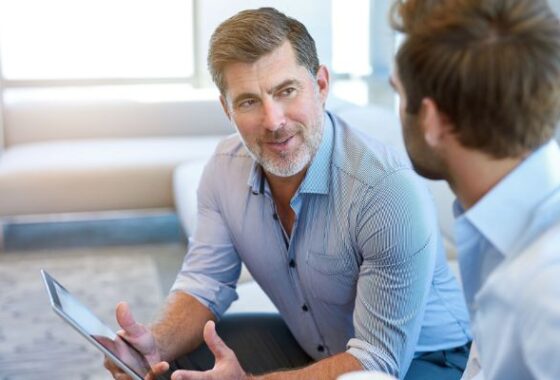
38	119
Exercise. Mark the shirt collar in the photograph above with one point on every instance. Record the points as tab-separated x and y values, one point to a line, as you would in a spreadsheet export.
256	179
503	213
318	174
317	178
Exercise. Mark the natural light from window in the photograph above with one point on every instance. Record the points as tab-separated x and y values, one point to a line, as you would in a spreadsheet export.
350	36
351	55
90	39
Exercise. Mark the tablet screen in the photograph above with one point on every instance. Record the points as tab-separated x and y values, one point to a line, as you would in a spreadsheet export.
87	323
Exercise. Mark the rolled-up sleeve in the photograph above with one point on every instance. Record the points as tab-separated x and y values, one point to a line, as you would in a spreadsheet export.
396	234
211	266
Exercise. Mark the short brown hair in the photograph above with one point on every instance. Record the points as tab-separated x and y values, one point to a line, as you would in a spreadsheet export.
251	34
491	66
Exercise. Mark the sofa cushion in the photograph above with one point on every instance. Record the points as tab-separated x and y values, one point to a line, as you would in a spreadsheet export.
111	112
94	175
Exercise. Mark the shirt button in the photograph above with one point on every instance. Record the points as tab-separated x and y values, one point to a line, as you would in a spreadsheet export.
292	264
304	307
320	348
275	216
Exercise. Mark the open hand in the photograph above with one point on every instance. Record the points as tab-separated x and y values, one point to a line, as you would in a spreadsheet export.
226	367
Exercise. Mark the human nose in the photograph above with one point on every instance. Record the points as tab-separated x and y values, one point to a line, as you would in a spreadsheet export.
273	116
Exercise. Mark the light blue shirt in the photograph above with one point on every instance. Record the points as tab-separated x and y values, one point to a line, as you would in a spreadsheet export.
363	270
509	255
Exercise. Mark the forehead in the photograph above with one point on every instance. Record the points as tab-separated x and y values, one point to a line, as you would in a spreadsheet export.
270	70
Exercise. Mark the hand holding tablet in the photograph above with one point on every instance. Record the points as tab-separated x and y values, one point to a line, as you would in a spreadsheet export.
141	338
123	351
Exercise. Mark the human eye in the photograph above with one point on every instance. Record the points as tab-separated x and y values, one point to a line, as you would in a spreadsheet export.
287	92
246	104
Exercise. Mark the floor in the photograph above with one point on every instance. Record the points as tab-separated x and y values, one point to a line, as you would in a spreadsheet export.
98	231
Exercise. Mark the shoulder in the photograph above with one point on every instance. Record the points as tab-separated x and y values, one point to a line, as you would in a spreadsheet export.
230	163
231	146
364	158
375	172
230	151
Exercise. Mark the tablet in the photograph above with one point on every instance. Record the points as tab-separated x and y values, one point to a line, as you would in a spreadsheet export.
96	332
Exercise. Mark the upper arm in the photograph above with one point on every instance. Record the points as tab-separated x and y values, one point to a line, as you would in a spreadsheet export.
539	322
211	266
397	237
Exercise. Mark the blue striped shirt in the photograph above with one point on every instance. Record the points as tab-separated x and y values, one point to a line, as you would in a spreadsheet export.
364	268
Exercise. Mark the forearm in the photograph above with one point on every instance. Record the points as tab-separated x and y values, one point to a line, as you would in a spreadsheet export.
178	329
329	368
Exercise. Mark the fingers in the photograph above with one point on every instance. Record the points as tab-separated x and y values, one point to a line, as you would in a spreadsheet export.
138	335
226	365
156	370
214	342
127	322
115	371
190	375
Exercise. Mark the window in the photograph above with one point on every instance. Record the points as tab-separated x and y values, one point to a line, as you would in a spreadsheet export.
114	42
363	46
96	39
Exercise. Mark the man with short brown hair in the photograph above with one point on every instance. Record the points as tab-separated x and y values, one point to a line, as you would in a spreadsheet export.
479	83
334	226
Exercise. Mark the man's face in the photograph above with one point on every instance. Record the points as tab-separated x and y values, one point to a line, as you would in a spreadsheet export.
425	161
277	107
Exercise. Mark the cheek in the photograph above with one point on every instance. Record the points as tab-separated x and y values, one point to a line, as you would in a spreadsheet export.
245	126
410	132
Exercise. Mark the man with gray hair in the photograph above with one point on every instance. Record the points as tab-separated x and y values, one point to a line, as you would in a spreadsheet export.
334	226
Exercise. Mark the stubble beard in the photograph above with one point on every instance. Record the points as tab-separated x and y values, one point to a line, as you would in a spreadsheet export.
287	164
423	162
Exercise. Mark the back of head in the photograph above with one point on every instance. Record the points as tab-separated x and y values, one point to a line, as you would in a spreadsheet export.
251	34
491	66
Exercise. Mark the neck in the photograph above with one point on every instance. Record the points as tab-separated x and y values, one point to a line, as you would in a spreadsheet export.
472	174
284	188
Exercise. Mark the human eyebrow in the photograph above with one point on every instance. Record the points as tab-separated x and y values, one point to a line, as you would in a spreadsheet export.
248	95
287	83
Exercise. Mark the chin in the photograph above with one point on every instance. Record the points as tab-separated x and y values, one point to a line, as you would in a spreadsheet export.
427	172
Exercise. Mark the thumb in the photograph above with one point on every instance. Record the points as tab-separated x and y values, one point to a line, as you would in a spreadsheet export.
214	342
127	322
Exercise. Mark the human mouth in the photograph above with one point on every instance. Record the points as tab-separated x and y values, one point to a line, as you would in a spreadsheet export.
280	144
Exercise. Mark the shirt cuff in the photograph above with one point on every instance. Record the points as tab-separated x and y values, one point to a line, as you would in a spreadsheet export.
371	358
213	294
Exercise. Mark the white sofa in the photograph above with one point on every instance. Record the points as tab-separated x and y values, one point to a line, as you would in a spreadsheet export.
76	151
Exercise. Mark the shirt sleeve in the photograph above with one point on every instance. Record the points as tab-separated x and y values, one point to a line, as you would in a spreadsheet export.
211	267
538	320
396	234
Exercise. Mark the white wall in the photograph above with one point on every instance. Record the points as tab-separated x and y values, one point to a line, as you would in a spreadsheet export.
555	4
315	15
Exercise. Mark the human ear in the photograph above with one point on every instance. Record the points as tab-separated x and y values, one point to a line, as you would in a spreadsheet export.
433	122
323	81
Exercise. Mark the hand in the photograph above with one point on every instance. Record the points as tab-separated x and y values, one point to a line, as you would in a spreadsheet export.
227	366
142	339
